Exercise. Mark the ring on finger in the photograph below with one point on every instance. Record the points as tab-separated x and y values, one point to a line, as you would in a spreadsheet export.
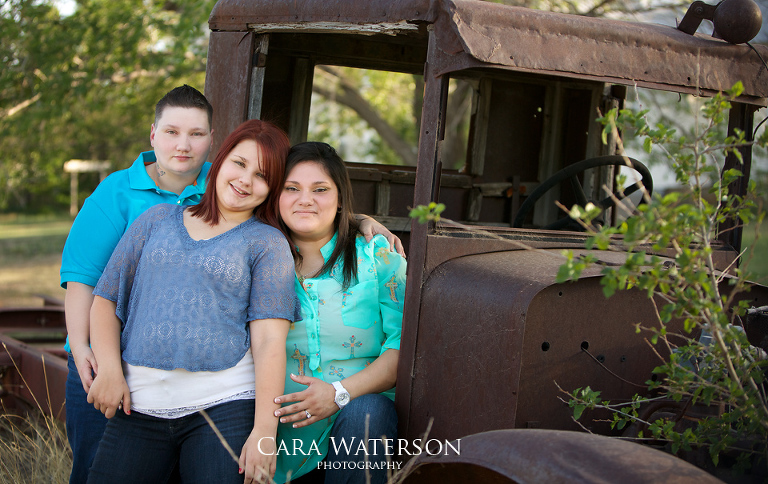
308	414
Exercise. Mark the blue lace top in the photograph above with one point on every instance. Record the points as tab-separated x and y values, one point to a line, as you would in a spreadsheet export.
186	303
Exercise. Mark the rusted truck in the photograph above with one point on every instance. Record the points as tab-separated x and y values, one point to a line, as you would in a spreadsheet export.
487	331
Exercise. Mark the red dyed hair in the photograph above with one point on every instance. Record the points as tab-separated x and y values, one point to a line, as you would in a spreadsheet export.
274	145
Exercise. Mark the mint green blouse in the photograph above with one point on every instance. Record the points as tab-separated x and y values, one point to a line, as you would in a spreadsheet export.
341	332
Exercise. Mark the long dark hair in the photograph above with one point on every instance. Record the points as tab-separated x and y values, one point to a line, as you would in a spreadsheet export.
345	223
274	145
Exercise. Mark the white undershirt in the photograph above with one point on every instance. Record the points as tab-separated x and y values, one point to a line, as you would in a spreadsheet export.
177	393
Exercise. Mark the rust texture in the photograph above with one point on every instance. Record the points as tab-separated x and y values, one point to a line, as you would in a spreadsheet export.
33	365
238	14
477	33
615	51
534	456
227	80
493	321
506	335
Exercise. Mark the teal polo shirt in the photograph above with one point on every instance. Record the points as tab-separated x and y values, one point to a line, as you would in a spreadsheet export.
107	213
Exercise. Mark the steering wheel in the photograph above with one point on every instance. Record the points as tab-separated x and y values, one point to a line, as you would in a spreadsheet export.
570	172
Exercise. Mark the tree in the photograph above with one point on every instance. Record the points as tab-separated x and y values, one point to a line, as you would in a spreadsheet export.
84	86
378	100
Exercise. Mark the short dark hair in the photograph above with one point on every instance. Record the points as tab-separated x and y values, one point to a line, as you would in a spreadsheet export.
274	145
345	222
184	97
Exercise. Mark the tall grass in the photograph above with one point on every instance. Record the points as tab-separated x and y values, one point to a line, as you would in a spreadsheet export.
33	449
33	445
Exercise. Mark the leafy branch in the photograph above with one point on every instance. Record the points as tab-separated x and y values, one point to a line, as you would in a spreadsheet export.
669	244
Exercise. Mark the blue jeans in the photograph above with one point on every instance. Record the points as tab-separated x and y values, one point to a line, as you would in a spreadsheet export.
85	425
142	448
351	424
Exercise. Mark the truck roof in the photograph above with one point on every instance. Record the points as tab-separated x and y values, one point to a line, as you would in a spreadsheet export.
477	34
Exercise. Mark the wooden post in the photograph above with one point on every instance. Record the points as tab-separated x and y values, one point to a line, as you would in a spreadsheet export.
72	193
82	166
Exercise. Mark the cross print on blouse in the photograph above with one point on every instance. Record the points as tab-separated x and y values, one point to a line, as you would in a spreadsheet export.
351	345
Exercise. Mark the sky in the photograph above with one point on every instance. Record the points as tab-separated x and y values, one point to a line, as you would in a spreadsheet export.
66	7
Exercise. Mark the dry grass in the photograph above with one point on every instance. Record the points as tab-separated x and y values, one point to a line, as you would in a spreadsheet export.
33	449
33	445
396	477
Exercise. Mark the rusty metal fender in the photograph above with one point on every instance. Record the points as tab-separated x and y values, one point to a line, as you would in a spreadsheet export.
553	456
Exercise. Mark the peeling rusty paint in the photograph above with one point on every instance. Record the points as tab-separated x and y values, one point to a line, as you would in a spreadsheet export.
386	28
630	53
237	14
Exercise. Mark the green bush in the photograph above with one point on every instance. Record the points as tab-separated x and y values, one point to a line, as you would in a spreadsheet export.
719	370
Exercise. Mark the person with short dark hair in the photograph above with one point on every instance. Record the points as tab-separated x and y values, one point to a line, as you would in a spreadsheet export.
173	172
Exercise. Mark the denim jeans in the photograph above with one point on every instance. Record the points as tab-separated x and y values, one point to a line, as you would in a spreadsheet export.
351	424
85	425
142	448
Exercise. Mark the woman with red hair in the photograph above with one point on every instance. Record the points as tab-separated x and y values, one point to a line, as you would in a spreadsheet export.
191	314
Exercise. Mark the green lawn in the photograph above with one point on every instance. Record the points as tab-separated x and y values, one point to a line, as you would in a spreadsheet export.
30	258
24	238
758	246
